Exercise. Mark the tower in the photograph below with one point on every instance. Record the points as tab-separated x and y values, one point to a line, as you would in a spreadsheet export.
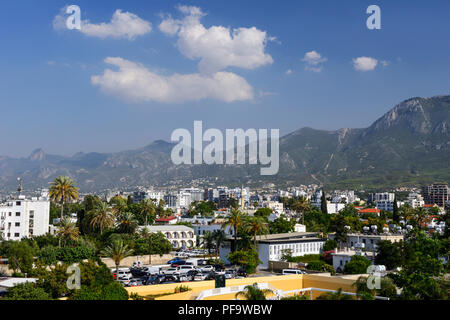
242	198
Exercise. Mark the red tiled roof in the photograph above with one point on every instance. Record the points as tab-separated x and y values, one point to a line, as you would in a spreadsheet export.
165	219
428	205
369	210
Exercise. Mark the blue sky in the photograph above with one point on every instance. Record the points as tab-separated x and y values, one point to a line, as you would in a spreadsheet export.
48	97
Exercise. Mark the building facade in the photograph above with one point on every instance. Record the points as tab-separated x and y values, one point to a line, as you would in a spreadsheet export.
23	217
179	236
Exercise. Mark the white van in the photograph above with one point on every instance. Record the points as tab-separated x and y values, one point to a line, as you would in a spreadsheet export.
293	271
185	268
152	270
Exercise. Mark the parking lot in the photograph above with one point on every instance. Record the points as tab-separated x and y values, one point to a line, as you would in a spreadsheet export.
185	267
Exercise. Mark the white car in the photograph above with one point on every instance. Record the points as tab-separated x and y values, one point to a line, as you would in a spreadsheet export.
185	269
207	268
200	277
171	271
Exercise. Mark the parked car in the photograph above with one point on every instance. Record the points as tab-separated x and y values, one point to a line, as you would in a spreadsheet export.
137	272
171	271
242	273
152	270
175	260
230	274
219	267
202	262
185	268
292	271
134	283
155	279
191	274
200	277
207	268
178	263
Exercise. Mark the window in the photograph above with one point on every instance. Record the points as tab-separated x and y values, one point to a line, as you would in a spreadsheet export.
17	214
18	203
17	224
9	214
16	235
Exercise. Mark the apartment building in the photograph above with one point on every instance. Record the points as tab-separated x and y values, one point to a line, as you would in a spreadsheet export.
436	193
22	217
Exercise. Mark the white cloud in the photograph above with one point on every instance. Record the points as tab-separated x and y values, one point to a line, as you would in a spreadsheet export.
217	47
124	25
365	63
314	61
135	83
385	63
288	72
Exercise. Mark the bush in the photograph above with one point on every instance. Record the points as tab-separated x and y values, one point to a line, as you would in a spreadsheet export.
26	291
330	245
320	266
357	265
247	259
182	288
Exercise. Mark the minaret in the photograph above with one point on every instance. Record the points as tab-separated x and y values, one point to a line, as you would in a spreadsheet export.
242	198
19	188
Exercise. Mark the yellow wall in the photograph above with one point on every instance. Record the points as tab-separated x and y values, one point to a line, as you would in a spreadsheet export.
285	283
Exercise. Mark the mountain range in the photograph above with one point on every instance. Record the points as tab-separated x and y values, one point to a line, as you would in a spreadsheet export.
409	145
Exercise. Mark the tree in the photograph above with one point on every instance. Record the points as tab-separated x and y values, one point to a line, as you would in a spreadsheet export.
252	292
395	213
330	245
62	190
147	235
256	226
387	289
390	254
281	225
103	216
20	257
67	231
301	205
234	220
208	241
357	265
323	203
263	213
338	224
247	259
126	223
338	295
148	210
219	237
26	291
117	251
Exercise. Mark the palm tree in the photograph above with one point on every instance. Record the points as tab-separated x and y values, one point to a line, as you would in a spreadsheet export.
234	220
252	292
144	233
301	205
117	251
219	237
126	222
62	190
148	209
103	216
256	225
67	231
208	241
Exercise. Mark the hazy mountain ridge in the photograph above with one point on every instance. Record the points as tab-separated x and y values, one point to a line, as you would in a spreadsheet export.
409	144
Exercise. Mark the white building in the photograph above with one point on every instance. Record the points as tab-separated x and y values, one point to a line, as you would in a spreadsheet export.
415	200
23	217
179	236
271	247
